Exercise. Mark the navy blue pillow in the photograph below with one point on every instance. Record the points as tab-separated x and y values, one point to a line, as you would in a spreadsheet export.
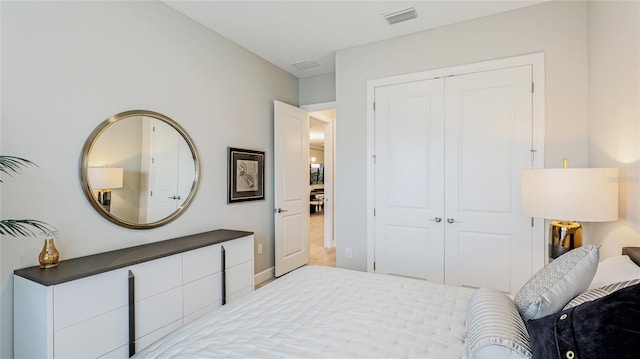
608	327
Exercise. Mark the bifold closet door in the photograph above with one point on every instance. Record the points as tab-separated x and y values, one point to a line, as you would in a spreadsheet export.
488	141
409	196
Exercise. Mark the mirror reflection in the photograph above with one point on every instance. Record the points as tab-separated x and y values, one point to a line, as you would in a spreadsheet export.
139	169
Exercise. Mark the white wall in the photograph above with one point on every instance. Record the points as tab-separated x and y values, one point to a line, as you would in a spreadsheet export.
67	66
614	115
318	89
559	28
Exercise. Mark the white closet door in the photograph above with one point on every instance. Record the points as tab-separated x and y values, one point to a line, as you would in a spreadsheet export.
488	143
409	197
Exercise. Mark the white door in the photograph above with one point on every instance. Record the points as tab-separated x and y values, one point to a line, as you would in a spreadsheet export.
291	172
163	180
448	156
488	143
409	163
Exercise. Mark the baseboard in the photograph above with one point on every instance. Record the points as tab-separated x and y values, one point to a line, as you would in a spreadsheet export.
265	275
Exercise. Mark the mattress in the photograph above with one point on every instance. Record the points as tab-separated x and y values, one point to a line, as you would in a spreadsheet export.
322	312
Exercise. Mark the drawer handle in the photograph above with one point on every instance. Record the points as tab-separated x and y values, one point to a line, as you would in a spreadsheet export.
132	315
224	275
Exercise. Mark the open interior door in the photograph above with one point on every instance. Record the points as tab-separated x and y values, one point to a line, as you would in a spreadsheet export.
291	172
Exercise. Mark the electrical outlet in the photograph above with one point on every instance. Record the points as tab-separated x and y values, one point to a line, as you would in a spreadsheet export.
348	253
259	248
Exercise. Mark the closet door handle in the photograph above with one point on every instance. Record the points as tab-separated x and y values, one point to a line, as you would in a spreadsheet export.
452	220
437	219
174	197
280	210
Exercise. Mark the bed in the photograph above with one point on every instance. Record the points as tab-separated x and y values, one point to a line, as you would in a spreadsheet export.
322	312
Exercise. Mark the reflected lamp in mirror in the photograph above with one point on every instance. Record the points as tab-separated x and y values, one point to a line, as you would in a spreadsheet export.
104	179
568	195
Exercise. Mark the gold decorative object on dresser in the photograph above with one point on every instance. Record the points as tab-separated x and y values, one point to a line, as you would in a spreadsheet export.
49	255
116	303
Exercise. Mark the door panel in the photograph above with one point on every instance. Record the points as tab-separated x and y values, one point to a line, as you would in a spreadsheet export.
489	251
409	136
488	138
291	164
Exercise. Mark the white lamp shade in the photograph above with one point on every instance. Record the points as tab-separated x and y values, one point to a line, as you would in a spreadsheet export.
105	177
573	194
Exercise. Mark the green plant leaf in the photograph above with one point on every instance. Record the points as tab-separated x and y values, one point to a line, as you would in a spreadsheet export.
24	227
11	165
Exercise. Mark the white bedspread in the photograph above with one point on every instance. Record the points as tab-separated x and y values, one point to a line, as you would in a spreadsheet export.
321	312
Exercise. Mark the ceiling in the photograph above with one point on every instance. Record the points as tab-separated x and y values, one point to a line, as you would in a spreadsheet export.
288	32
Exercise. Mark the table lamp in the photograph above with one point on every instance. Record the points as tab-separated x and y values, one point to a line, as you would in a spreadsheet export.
566	195
104	179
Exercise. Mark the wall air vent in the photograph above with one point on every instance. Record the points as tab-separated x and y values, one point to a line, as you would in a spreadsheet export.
305	65
395	17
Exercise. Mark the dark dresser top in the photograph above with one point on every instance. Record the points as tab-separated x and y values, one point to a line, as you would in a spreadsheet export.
81	267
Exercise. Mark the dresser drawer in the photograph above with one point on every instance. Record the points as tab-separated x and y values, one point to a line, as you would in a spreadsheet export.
158	311
202	293
93	337
238	251
89	297
157	276
143	342
239	277
200	263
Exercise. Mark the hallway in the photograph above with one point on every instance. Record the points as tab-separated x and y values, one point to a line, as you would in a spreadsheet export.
318	255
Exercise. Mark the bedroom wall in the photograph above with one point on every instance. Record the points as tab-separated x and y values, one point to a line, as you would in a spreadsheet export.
318	89
67	66
614	115
559	28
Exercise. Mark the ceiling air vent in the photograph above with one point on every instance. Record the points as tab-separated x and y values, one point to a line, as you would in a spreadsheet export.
395	17
305	65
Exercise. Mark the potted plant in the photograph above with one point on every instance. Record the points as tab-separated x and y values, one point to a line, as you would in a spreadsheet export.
11	165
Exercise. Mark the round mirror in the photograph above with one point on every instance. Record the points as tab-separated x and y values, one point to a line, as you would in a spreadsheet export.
139	169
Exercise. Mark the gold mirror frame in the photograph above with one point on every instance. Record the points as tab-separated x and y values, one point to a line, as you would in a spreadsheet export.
84	168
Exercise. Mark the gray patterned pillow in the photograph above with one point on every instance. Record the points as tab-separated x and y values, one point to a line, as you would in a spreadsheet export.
495	328
599	292
558	282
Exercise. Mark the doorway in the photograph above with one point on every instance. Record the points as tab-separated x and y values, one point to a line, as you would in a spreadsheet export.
322	248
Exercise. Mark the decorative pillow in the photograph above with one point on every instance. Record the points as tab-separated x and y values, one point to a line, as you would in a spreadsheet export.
613	270
608	327
494	327
558	282
594	294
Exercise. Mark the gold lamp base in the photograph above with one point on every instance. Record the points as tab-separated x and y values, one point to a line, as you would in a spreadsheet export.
563	237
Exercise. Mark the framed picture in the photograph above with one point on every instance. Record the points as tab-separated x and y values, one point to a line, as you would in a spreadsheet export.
246	175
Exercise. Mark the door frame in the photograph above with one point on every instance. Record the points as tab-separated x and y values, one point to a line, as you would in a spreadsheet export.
536	60
330	166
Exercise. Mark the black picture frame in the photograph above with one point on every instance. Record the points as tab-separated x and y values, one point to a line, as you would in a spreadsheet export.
245	175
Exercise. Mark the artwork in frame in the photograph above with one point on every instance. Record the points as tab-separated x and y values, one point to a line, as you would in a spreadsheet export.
246	175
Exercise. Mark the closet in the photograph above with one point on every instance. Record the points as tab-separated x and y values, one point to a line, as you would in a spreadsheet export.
448	153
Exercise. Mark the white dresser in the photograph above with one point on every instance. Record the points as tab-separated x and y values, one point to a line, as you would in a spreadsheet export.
112	304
